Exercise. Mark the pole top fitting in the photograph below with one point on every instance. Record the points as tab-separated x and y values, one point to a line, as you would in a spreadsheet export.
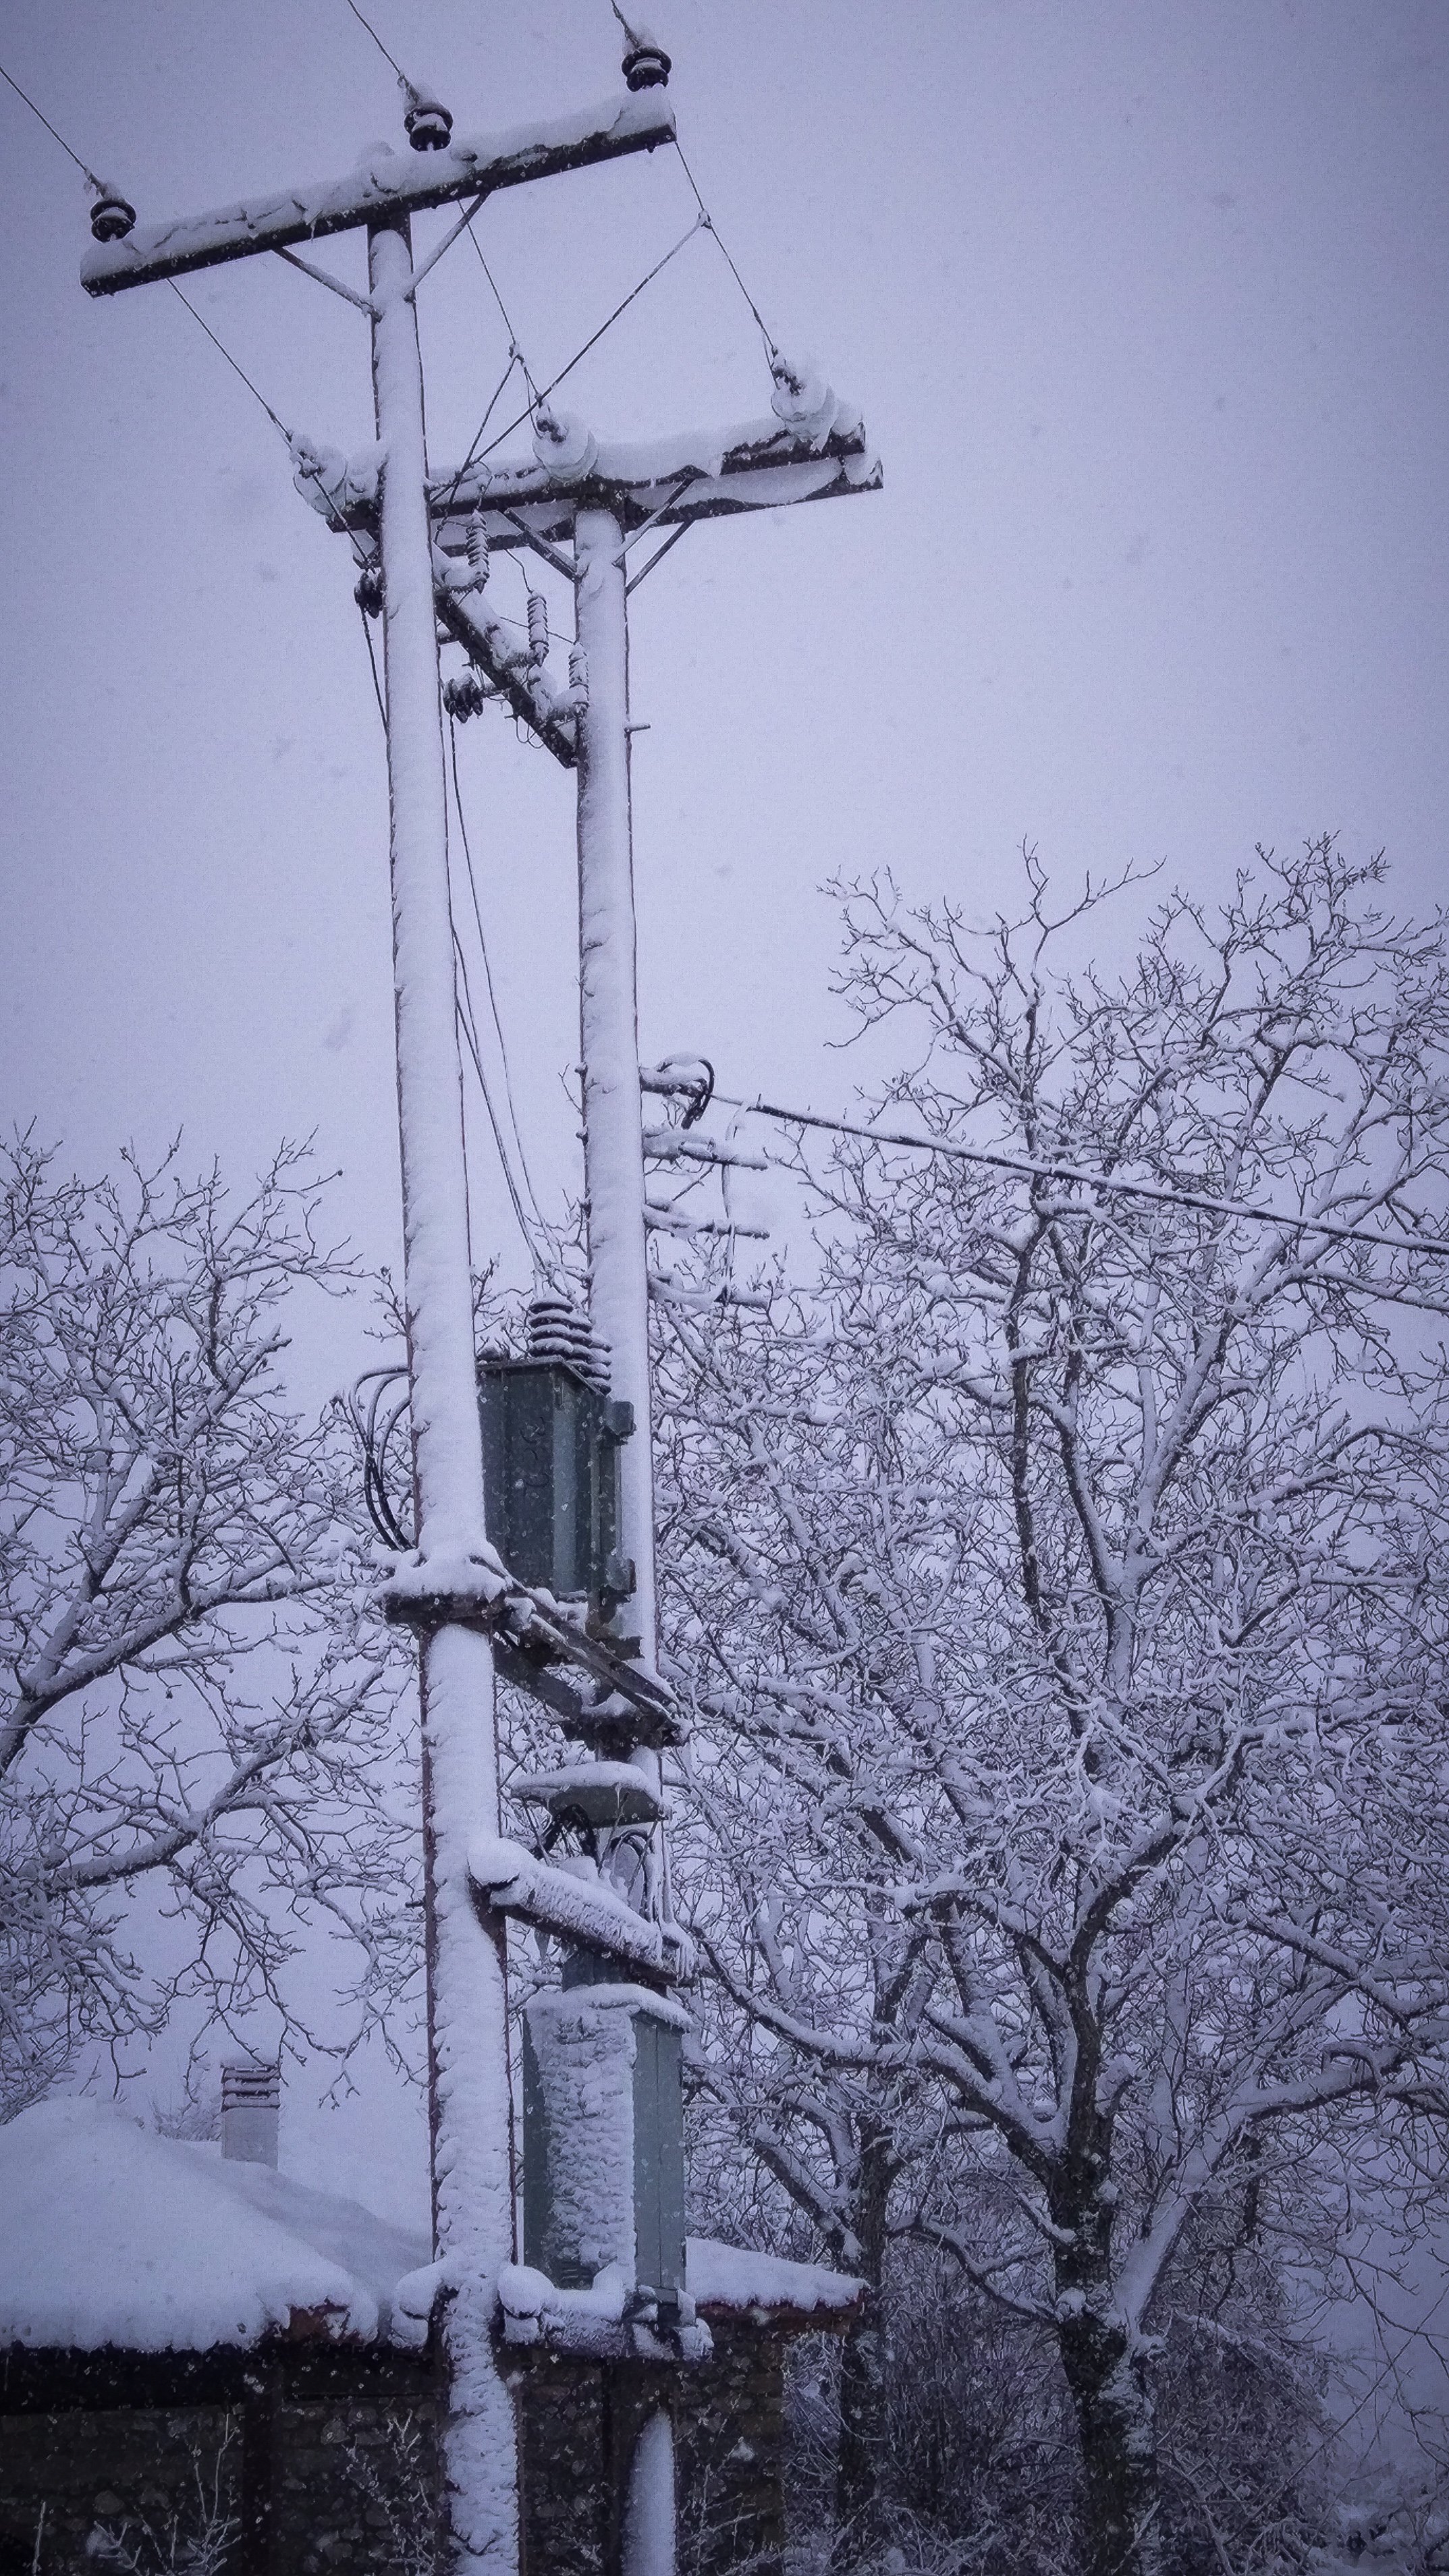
646	64
111	216
428	122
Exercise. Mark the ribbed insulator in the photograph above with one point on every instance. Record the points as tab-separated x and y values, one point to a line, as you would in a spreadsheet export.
579	676
538	625
558	1330
477	537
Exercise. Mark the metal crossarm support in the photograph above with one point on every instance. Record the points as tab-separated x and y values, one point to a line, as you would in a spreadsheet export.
385	184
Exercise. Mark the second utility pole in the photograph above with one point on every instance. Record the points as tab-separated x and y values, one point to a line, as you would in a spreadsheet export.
608	1022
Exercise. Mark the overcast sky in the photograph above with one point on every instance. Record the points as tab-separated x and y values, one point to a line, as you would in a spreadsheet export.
1144	303
1145	309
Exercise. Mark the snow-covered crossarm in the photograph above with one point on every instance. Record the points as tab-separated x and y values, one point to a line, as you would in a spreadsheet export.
699	475
509	669
383	183
575	1909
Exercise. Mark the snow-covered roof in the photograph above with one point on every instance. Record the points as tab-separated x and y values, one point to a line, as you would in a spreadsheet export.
728	2276
113	2235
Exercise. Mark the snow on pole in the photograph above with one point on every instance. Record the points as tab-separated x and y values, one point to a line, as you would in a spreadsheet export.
649	2520
609	1031
468	2102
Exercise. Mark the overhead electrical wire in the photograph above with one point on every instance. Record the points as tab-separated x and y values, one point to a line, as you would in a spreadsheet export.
87	173
1083	1179
488	977
278	424
366	23
593	341
469	1028
92	181
707	224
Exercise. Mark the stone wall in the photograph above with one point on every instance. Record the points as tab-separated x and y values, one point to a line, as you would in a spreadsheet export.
288	2462
318	2460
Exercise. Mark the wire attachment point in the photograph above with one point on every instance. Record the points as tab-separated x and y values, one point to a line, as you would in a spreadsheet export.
112	216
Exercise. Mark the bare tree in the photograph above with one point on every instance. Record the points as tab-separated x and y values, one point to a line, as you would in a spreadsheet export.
1061	1591
196	1702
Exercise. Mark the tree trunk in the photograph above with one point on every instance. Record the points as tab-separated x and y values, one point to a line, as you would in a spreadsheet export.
1116	2423
861	2442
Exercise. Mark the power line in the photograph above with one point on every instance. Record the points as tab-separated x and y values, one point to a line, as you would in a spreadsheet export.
488	974
224	352
1094	1180
593	342
381	47
90	177
709	225
86	173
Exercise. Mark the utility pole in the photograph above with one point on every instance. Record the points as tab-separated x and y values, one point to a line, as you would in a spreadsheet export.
609	1029
586	1646
447	1587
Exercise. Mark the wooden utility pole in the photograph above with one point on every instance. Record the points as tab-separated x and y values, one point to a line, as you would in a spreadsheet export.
594	1667
447	1585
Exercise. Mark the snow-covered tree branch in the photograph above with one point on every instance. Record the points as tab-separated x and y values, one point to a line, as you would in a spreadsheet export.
1061	1591
196	1701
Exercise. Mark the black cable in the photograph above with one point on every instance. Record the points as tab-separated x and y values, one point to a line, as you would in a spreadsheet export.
1107	1181
488	975
87	174
589	344
467	1024
515	359
279	425
710	226
382	49
372	663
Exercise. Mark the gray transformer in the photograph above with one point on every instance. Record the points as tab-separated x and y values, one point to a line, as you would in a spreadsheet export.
551	1477
603	2126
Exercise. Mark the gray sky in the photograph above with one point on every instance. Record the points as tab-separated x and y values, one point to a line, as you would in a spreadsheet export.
1144	302
1144	305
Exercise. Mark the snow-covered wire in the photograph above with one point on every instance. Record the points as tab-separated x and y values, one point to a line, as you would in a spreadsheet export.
1095	1180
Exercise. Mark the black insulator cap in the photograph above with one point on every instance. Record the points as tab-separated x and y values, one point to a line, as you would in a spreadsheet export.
428	123
646	67
367	590
111	217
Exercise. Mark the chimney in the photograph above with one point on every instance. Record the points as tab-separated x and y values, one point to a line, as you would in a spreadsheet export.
250	2100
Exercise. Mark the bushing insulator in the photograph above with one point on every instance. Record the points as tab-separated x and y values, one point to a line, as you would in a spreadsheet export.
428	123
111	217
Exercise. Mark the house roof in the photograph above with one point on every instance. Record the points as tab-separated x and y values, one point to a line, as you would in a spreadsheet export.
115	2236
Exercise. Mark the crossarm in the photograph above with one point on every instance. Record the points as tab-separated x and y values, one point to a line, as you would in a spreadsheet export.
383	183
